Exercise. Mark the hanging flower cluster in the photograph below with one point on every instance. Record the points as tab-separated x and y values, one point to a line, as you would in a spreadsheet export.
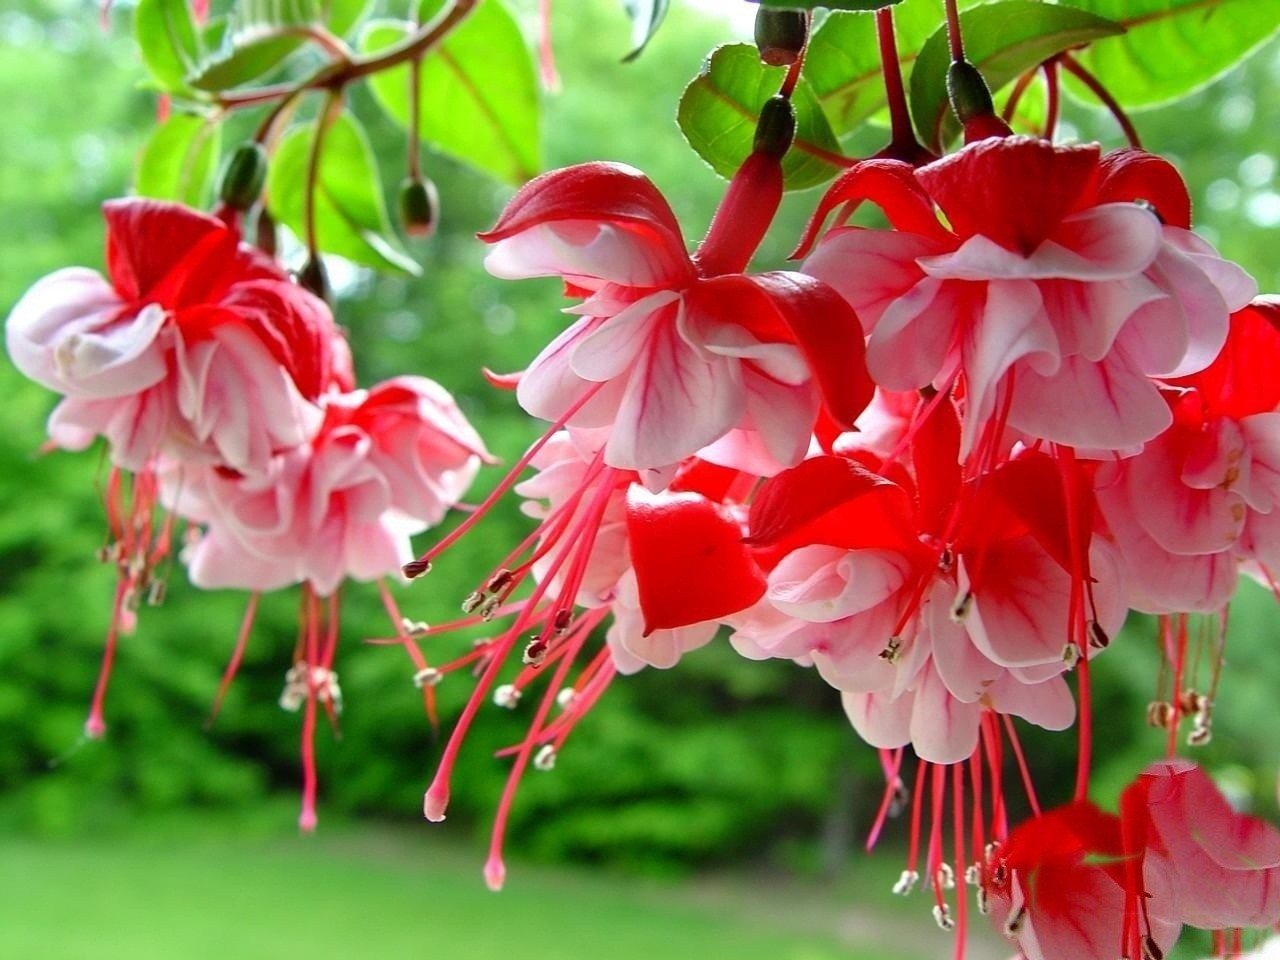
938	465
225	391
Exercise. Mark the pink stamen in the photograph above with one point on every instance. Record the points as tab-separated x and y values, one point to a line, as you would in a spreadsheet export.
237	655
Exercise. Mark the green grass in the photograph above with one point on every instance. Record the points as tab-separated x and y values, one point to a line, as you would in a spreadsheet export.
222	891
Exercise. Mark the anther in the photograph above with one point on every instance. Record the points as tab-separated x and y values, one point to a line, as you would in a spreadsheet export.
155	593
499	581
1161	715
535	652
893	650
906	882
1071	655
489	609
984	901
973	874
960	609
1098	638
507	696
427	677
1017	920
1199	736
1150	949
563	620
942	917
946	559
414	627
566	697
415	568
901	797
545	759
944	878
473	600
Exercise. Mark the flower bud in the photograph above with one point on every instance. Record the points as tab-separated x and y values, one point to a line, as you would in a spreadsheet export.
776	127
780	35
419	206
314	277
265	234
968	92
243	176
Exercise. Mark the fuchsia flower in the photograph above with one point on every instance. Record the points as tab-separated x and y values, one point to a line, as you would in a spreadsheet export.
196	346
386	463
1081	884
672	353
1050	295
933	597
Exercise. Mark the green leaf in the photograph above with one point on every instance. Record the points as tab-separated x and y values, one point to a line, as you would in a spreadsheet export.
168	39
827	4
1002	40
843	60
646	16
1173	47
260	34
351	217
478	92
719	108
179	159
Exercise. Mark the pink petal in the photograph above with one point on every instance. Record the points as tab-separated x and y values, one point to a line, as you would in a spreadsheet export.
1107	405
870	268
943	729
883	722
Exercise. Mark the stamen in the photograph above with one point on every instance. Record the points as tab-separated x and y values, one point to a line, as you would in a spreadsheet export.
545	758
892	651
1098	638
960	609
506	696
906	882
427	677
1017	920
942	917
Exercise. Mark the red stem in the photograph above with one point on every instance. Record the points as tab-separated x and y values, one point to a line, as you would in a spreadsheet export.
1104	97
954	38
903	138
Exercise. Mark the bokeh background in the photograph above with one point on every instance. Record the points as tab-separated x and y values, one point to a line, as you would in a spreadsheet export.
718	809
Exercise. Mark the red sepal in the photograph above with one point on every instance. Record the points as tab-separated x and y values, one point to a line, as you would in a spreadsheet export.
1242	380
1127	175
832	501
691	564
889	184
1013	190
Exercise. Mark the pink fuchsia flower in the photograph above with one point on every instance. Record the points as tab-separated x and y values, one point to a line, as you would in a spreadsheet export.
934	599
1080	884
1205	492
1051	296
385	464
672	353
194	345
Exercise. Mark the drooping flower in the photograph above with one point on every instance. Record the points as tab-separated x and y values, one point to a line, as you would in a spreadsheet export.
1062	282
936	597
673	353
194	345
385	464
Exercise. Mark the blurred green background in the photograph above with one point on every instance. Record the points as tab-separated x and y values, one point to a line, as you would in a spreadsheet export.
719	807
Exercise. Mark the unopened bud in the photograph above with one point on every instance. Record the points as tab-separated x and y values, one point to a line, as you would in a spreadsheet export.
243	176
968	92
419	206
780	35
265	237
776	127
314	277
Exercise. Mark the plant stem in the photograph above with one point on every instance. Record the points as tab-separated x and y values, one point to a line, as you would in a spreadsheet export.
329	113
954	38
902	136
1104	97
343	70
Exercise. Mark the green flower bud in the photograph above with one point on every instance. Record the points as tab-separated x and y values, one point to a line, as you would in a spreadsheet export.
780	35
968	92
419	206
314	277
776	127
265	234
243	176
